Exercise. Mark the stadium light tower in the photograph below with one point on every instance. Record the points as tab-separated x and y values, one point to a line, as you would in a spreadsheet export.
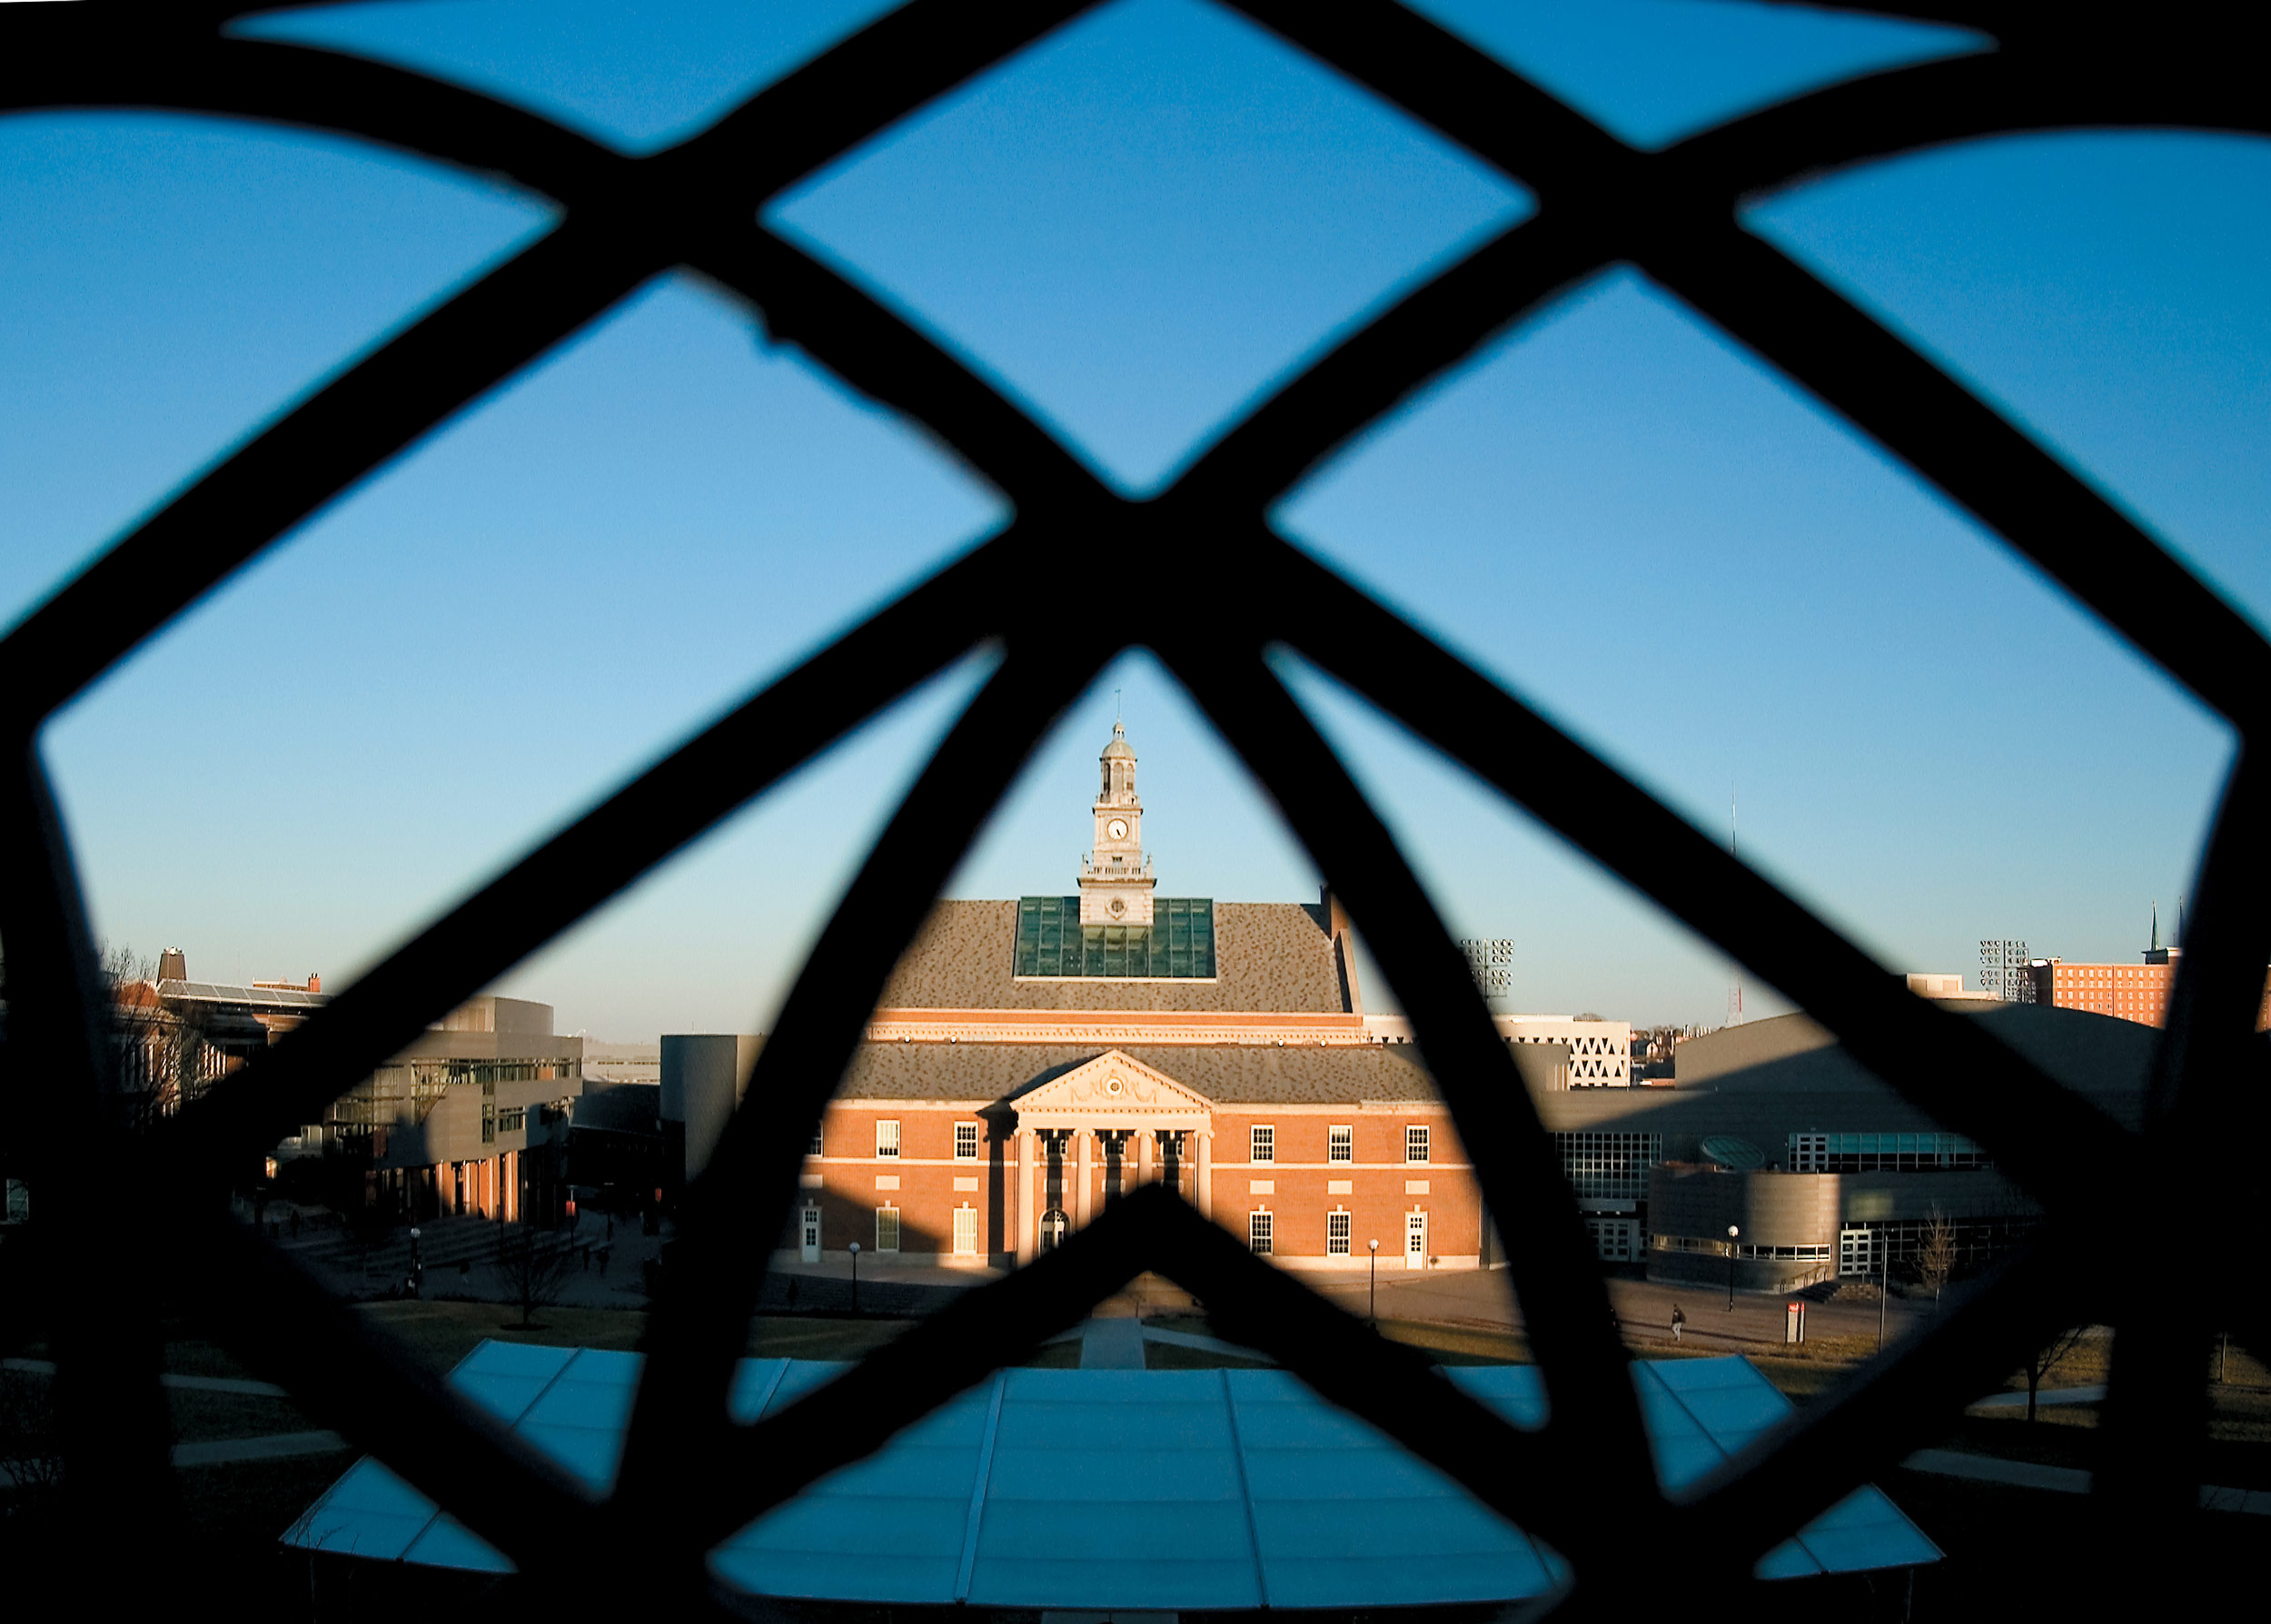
1491	961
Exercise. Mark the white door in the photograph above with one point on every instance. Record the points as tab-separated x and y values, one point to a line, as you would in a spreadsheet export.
966	1231
1415	1240
812	1251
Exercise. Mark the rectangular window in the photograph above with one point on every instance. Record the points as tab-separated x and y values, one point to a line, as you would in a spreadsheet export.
886	1229
966	1142
1415	1143
966	1232
1337	1234
1264	1145
1258	1232
814	1148
1608	1166
887	1140
1340	1144
514	1119
489	1122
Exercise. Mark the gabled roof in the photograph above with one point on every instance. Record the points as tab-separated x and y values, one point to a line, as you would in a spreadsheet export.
1111	1085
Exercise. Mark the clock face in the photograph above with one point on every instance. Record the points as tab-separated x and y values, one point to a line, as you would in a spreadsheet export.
1116	828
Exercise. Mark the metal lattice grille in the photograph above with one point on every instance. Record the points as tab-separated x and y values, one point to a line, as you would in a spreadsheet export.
689	1476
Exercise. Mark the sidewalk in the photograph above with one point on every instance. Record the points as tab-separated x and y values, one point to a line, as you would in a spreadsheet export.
1483	1299
458	1255
2065	1480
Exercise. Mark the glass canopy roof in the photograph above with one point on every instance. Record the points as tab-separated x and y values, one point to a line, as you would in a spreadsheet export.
1183	1490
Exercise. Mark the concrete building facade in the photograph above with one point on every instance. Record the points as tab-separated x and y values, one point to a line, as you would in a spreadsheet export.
1824	1170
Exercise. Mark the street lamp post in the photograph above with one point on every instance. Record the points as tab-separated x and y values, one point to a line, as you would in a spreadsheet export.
1734	1231
855	1257
1371	1287
1884	1279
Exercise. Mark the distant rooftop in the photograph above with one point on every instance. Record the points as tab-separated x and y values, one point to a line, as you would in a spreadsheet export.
258	996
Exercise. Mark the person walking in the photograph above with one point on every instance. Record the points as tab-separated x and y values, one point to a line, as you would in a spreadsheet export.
1679	1322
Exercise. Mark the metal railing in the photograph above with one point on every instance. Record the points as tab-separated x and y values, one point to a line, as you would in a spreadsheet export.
689	1475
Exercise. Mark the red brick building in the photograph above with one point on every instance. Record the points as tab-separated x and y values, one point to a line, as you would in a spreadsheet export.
1031	1061
2137	992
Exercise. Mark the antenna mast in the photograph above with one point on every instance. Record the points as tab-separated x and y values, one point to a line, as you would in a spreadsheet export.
1734	988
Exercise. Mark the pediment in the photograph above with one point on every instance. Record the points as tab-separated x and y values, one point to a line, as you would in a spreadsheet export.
1113	1090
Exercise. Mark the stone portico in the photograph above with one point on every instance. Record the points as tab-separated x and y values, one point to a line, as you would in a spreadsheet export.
1115	1117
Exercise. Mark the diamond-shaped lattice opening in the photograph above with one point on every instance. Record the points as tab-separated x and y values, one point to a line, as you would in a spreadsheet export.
1131	971
470	648
623	73
175	282
542	1134
2100	288
1275	202
1705	1099
1655	71
1669	549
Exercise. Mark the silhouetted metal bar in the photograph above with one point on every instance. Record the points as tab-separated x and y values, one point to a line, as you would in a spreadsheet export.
2070	532
1392	1386
114	1426
302	463
635	829
1565	1307
734	1213
1602	201
2053	1142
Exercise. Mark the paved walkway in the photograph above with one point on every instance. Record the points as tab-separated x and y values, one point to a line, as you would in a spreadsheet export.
1484	1299
2048	1395
2065	1480
459	1258
240	1385
273	1446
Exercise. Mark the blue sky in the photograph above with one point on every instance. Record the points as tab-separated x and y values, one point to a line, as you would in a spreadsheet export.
1136	228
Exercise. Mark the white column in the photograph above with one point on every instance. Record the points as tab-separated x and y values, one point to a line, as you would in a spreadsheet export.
1143	1156
1025	1195
1080	1202
1205	1175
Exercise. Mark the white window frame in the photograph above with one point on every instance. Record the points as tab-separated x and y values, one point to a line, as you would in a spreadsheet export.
1262	1142
966	1231
817	1148
1340	1142
887	1224
886	1138
1415	1138
1260	1227
965	1133
1337	1245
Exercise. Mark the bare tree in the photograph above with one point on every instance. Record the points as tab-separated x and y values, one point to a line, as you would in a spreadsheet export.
533	1266
2045	1357
164	1056
30	1458
1936	1257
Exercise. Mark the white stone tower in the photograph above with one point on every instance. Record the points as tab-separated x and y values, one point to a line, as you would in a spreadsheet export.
1115	879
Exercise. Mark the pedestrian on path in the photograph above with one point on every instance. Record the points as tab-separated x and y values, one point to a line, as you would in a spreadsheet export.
1679	1322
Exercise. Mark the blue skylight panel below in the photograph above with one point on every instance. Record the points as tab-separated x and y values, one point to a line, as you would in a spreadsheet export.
1166	1491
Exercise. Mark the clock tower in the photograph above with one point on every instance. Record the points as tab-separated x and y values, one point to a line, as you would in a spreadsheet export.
1116	878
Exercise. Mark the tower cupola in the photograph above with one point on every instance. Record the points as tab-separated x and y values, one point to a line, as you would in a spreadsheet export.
1115	878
